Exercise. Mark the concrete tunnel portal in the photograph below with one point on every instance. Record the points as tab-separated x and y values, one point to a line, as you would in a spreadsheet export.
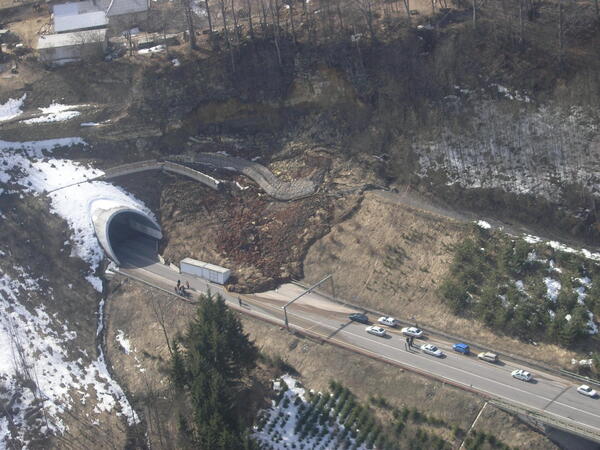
128	235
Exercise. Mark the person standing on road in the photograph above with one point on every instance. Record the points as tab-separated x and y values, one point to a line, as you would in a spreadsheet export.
411	340
187	284
178	283
240	301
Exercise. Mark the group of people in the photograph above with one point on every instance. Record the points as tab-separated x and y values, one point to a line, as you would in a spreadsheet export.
409	341
180	289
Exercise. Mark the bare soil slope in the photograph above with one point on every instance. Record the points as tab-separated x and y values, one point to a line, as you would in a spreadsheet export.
391	258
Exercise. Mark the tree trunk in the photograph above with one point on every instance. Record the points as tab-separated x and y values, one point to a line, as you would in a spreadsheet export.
189	17
210	27
250	27
226	32
291	14
275	19
407	7
263	21
474	14
235	24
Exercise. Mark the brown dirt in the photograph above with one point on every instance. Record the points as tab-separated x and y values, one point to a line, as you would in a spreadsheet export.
263	240
130	308
391	258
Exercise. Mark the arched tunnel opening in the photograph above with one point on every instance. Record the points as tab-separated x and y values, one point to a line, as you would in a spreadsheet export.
128	235
133	238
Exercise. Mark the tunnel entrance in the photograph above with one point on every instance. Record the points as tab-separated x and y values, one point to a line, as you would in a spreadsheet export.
129	236
134	239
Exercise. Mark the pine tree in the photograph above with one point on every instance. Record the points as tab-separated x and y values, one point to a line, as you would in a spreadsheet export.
178	370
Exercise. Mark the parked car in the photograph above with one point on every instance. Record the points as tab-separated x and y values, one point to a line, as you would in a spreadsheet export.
412	331
488	356
358	317
388	321
461	348
377	331
522	375
432	350
587	391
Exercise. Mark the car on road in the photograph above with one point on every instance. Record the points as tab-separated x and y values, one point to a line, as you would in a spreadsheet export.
488	356
388	321
358	317
522	375
461	348
587	391
412	331
377	331
432	350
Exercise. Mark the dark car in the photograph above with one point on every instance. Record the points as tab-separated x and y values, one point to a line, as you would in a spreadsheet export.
357	317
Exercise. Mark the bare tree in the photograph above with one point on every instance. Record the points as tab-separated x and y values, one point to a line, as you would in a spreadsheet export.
407	7
274	9
207	7
189	17
159	313
226	33
250	27
236	29
366	9
290	5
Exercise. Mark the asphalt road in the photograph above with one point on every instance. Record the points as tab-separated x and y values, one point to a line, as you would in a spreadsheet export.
549	393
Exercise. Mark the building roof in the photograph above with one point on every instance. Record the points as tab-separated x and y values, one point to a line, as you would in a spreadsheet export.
82	21
73	8
119	7
74	38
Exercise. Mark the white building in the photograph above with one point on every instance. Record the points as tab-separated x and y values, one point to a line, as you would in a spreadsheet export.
75	46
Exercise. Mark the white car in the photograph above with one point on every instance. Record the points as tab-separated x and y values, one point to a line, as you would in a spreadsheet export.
388	321
587	391
432	350
522	375
412	331
377	331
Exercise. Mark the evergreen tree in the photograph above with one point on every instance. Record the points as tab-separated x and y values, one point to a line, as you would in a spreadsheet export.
208	364
178	371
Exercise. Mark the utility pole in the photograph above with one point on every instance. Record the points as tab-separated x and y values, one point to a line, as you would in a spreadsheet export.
308	291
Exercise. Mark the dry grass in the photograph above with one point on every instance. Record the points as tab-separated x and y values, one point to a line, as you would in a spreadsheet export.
392	258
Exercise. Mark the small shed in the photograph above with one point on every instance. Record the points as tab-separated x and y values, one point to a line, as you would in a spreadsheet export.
75	46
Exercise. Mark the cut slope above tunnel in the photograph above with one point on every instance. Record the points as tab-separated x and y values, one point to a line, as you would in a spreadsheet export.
119	227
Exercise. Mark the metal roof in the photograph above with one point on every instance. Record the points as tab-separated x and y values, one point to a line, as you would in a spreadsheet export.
119	7
94	19
73	8
74	38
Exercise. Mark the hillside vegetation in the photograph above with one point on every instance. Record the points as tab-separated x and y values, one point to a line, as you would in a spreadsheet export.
524	288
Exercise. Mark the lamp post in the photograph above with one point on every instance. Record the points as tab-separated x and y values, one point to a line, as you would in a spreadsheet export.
308	291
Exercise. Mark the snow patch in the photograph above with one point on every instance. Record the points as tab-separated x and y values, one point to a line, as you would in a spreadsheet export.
56	112
123	342
12	108
483	224
552	288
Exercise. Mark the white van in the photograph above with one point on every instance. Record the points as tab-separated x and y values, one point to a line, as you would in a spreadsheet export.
488	356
